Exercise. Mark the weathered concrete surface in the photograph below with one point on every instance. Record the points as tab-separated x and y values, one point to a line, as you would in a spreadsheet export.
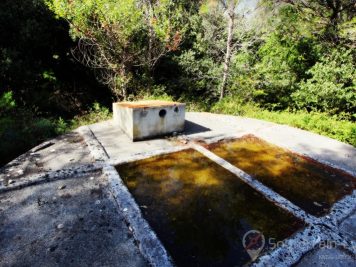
102	238
65	151
72	222
119	146
327	257
348	227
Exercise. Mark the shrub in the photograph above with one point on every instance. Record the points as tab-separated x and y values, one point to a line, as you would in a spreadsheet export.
95	114
332	86
235	106
7	103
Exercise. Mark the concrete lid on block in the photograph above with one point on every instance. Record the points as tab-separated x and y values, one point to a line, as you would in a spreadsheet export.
148	104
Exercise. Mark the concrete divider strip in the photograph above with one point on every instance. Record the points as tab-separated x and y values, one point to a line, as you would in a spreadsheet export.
264	190
148	243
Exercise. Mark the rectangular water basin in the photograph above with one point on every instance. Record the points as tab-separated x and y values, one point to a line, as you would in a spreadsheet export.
200	211
312	186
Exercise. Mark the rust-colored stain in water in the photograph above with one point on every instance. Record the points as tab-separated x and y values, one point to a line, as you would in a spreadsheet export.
200	211
310	185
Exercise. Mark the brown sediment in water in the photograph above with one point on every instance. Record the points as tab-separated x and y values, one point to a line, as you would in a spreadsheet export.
307	183
200	211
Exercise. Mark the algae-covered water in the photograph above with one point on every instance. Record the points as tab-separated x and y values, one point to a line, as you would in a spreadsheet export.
310	185
200	211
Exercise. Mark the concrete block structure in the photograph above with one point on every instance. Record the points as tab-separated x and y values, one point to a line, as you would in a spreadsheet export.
145	119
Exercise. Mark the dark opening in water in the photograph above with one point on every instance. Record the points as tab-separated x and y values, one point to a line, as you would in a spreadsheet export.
310	185
200	211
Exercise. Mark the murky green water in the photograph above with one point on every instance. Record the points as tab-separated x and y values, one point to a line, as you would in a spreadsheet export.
310	185
199	210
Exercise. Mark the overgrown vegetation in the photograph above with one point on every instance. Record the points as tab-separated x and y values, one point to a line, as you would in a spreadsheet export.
287	61
20	129
320	123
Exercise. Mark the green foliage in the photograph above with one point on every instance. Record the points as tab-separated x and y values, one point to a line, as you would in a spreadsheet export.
122	39
21	130
244	82
201	65
7	103
36	63
285	58
320	123
235	106
157	93
95	114
332	85
61	126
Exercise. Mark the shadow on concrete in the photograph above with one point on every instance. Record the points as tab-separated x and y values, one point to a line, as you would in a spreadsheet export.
78	225
194	128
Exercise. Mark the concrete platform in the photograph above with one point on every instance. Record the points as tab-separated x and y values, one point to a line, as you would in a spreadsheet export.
63	203
70	222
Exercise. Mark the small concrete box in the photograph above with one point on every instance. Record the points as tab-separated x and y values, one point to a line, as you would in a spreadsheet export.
144	119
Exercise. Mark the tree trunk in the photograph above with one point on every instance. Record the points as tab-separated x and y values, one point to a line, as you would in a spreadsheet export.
149	19
123	85
230	32
334	21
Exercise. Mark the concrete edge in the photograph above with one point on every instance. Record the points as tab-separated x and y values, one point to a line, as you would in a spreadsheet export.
342	209
148	243
229	136
264	190
301	152
145	155
96	149
291	250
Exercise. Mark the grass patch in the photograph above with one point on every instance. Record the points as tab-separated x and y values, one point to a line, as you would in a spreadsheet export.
95	114
320	123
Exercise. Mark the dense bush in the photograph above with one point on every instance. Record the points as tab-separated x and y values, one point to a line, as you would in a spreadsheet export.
20	130
36	62
332	85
